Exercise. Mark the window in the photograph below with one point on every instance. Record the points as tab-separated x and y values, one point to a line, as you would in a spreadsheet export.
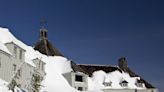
42	34
124	84
107	83
19	72
79	78
20	54
14	67
139	84
15	51
80	88
45	34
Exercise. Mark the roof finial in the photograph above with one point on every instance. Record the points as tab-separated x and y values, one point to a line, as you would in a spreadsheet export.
43	31
43	23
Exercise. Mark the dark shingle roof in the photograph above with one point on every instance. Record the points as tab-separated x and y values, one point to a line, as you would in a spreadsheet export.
124	81
132	74
89	69
45	47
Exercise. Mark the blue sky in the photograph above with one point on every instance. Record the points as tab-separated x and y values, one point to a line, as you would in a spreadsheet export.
95	31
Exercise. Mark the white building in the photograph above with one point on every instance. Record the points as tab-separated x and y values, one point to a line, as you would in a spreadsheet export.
15	67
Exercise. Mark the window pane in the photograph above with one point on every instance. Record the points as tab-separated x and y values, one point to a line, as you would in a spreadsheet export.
80	89
20	54
79	78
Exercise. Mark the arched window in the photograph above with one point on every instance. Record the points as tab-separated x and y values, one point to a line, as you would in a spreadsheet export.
42	34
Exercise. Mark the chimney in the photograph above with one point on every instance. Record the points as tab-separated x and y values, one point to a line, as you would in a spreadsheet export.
122	63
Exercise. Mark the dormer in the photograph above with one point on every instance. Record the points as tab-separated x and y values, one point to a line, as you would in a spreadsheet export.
78	80
139	83
16	51
124	83
107	84
40	66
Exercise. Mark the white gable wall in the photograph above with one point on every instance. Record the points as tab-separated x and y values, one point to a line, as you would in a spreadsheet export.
5	66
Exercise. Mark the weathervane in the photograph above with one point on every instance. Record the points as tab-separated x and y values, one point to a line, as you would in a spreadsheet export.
43	23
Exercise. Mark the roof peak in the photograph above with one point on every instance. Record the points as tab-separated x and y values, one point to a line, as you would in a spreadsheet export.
44	46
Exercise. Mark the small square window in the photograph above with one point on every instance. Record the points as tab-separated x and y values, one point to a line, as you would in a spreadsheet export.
107	83
79	78
80	88
124	84
139	84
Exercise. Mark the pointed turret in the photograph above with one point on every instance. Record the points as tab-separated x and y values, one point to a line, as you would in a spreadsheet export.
44	46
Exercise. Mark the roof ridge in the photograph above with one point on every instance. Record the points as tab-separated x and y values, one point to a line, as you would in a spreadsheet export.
98	65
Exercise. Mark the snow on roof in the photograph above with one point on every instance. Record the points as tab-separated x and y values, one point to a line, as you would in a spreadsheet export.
57	65
61	64
3	82
32	54
4	48
30	62
3	86
7	37
54	80
96	81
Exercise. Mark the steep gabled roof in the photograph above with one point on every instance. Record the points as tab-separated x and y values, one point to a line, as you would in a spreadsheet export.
4	49
44	46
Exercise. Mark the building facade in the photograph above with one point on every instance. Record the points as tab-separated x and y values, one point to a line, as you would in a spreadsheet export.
14	68
77	80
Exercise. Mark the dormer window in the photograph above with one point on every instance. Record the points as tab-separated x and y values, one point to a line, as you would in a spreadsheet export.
124	83
79	78
107	84
80	88
139	83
